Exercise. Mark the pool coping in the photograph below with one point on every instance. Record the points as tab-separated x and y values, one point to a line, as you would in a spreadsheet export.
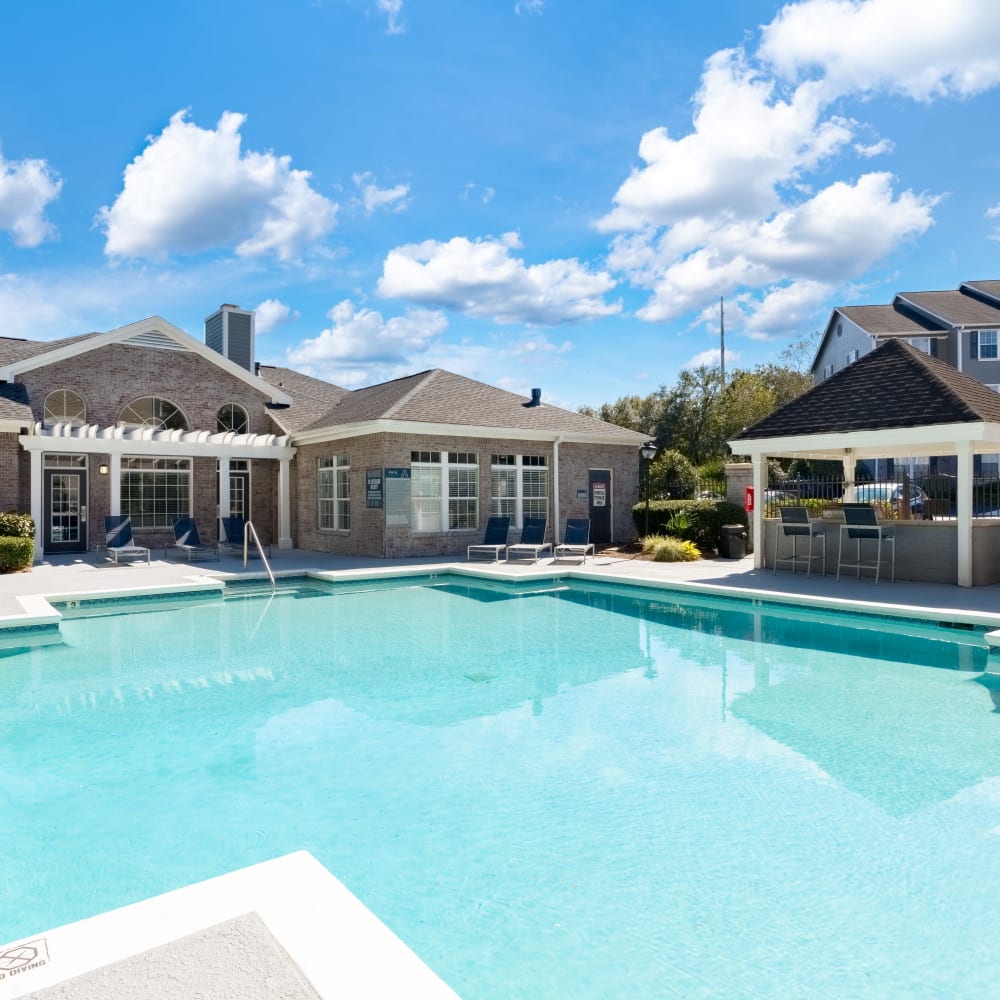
40	611
337	944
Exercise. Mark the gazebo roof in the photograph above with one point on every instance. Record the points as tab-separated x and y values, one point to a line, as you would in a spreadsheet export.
894	386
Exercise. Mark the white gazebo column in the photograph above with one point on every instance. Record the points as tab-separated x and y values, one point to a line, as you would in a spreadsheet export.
36	500
849	463
284	504
963	504
757	521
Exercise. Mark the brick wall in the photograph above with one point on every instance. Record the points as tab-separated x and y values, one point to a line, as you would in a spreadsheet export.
368	534
108	379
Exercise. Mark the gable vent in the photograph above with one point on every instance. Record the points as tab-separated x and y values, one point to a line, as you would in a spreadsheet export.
155	339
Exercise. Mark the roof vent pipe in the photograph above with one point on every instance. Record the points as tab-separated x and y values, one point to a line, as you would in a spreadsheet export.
536	397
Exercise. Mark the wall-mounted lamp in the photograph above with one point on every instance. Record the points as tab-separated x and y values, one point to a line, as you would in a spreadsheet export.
102	469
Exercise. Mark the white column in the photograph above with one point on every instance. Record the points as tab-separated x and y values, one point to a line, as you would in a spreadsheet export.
36	500
757	521
284	504
224	498
963	503
849	463
115	486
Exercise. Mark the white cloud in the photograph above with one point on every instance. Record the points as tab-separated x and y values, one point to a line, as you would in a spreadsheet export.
373	197
363	346
712	358
193	189
524	7
484	194
786	310
26	187
393	11
272	313
923	49
482	278
872	149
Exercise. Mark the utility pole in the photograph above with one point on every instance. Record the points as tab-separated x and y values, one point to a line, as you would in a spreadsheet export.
722	337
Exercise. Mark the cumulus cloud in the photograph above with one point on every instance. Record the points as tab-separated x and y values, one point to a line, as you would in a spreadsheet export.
484	278
395	198
937	49
393	11
272	313
786	310
362	345
733	205
711	358
193	189
26	187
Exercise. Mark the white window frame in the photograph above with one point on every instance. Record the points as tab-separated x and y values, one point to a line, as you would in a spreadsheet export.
444	491
853	356
827	371
976	345
514	487
333	493
163	482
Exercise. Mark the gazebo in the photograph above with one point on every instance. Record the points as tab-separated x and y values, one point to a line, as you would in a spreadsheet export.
895	401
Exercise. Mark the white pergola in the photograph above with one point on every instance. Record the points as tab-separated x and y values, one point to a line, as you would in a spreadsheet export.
149	441
964	440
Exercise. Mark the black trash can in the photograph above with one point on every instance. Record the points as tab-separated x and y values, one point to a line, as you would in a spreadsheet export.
733	543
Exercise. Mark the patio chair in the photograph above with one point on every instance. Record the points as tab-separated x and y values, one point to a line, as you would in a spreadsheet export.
532	543
231	539
494	541
576	540
861	523
118	541
187	540
795	524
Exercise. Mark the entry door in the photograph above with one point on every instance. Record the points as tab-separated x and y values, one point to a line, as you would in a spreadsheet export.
239	494
65	527
599	488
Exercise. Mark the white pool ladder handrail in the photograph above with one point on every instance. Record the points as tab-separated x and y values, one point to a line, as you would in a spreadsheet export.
248	531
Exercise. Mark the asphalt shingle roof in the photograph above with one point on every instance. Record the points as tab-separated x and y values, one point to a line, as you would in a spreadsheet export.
437	396
14	403
991	288
955	308
312	397
894	386
888	319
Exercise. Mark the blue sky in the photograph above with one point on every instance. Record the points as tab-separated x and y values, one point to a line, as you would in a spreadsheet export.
548	193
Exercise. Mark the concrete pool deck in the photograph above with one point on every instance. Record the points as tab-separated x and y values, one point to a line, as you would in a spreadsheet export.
23	595
305	933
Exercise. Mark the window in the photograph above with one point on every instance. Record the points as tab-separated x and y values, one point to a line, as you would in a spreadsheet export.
155	491
983	344
232	417
519	487
151	411
827	371
65	406
444	490
853	356
334	492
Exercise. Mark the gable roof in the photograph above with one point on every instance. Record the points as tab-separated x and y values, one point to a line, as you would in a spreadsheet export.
15	408
882	321
311	397
17	357
451	403
990	289
957	308
895	386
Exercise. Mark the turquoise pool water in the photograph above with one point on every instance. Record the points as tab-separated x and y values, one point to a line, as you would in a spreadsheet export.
548	791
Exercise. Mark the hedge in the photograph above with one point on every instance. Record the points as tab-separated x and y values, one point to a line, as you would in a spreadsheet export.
17	541
705	519
16	553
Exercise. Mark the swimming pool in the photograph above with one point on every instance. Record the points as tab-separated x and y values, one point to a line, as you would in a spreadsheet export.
547	790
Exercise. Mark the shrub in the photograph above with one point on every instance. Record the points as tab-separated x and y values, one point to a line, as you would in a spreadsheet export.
17	541
16	553
665	548
15	525
704	518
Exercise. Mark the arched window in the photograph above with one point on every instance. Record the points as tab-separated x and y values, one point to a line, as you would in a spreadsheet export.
151	411
65	406
232	417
